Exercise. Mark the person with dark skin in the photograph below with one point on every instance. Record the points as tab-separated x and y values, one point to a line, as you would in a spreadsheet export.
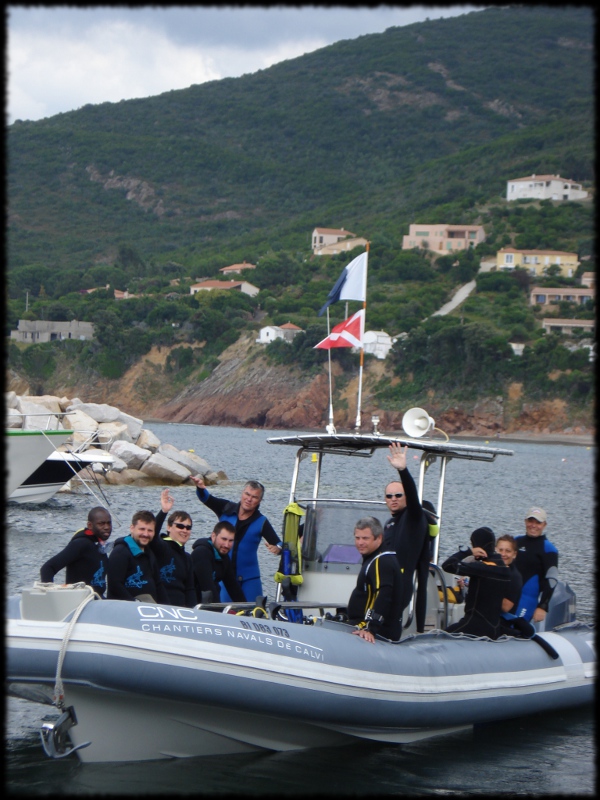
250	527
85	556
375	605
406	532
174	562
537	561
132	568
212	566
489	579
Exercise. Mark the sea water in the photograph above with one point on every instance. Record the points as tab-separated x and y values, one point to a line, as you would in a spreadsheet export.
547	754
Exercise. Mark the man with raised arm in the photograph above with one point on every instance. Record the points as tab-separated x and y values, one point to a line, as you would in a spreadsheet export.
250	527
407	529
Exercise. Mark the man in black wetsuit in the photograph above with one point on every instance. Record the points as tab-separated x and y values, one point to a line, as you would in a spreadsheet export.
85	556
212	566
407	530
489	579
174	562
375	605
537	561
132	567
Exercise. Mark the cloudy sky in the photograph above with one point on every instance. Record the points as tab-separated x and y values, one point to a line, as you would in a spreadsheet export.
61	57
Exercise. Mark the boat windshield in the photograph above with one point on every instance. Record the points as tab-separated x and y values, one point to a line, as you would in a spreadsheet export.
329	528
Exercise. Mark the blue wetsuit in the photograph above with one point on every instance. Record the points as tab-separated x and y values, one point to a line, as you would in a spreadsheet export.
248	533
537	561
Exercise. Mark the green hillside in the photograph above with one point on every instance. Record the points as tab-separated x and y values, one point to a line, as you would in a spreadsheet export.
419	124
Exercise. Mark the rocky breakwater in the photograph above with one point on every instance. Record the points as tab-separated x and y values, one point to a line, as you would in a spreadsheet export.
139	457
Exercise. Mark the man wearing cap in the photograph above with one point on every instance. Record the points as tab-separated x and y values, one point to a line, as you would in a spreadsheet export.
406	532
537	561
488	580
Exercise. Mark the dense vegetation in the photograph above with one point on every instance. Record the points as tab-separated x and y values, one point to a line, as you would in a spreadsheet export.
419	124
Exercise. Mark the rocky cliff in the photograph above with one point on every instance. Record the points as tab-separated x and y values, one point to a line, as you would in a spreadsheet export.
246	390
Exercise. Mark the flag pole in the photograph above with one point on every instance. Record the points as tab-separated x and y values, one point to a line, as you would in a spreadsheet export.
330	428
362	358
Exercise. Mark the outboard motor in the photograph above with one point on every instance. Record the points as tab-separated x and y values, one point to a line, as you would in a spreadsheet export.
561	609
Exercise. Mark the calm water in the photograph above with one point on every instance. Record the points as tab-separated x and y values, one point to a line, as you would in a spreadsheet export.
544	755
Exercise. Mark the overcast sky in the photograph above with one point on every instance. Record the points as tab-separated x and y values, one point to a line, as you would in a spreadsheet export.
61	57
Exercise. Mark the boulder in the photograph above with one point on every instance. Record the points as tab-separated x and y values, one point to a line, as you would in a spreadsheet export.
130	453
35	419
13	418
101	412
78	420
212	478
195	464
134	425
148	440
10	399
113	432
118	464
129	476
165	469
48	401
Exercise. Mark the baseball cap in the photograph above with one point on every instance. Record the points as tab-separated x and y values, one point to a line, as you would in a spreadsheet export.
537	513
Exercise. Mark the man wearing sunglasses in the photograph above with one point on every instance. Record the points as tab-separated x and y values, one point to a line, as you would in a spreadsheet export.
250	527
174	562
406	531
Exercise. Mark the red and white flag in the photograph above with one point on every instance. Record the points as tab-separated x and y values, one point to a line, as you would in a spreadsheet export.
349	333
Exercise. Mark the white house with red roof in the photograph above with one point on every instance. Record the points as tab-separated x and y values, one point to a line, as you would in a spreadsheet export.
544	187
269	333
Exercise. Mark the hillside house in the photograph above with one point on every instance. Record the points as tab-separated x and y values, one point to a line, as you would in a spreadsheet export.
442	239
588	279
236	286
323	237
537	262
269	333
545	296
378	343
568	326
41	330
544	187
236	268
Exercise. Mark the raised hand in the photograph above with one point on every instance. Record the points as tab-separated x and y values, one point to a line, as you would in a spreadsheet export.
397	457
166	501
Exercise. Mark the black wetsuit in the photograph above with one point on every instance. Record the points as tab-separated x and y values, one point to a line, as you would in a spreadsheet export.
174	566
85	559
406	532
489	580
376	602
211	568
133	571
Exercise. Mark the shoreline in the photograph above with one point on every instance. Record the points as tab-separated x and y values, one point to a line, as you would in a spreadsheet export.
582	439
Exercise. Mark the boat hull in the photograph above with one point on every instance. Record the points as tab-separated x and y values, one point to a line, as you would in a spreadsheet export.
56	471
150	681
26	450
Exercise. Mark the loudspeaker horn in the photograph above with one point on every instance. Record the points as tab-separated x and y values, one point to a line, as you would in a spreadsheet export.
417	422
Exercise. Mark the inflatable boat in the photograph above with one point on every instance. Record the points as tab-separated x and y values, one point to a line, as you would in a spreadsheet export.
137	681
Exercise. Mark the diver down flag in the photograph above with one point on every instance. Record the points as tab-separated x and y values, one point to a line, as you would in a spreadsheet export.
352	283
349	333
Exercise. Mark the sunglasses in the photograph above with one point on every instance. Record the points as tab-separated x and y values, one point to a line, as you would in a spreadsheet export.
389	496
182	527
